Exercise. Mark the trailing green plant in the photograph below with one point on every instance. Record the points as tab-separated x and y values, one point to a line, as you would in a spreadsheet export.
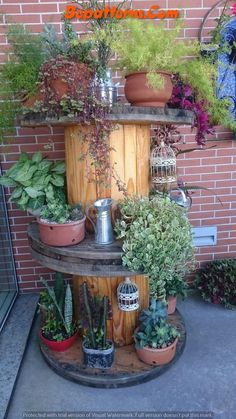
216	282
60	212
95	311
37	181
157	239
59	324
154	330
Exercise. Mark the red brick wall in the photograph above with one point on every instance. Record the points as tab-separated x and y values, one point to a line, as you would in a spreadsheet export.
214	169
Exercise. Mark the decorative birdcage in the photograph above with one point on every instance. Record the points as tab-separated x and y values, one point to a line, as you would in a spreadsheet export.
128	295
163	165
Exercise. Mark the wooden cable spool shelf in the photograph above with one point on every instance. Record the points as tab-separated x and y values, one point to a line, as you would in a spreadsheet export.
101	266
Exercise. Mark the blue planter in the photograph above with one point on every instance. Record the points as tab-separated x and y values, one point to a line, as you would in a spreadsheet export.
97	358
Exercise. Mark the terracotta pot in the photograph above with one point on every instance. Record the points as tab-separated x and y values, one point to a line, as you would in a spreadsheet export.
152	356
59	346
171	304
62	234
61	85
29	100
138	93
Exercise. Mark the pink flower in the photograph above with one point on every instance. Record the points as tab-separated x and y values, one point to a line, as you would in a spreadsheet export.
233	8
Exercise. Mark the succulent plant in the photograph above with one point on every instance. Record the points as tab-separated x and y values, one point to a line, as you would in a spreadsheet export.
154	330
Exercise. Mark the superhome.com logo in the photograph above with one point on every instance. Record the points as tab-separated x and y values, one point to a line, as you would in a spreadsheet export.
154	12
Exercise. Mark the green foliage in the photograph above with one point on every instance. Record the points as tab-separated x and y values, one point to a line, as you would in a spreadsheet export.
60	212
68	310
177	286
143	46
102	32
157	239
69	45
216	282
18	75
154	330
58	326
95	311
154	48
37	181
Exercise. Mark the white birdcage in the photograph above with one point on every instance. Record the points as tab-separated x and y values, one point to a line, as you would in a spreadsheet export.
128	295
163	165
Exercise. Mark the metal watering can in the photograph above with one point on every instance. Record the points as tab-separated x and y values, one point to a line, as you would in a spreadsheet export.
180	198
103	227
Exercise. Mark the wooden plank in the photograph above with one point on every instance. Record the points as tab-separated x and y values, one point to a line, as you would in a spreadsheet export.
124	114
130	158
127	369
142	159
81	185
117	142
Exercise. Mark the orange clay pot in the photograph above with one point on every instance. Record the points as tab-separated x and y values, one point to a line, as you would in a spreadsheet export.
62	234
171	304
138	93
152	356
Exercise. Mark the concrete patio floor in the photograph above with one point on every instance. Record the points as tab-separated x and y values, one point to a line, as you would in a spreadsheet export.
203	380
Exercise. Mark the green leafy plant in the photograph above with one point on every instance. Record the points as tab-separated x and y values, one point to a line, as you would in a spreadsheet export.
157	240
216	282
60	212
37	181
95	311
58	324
19	74
154	330
176	287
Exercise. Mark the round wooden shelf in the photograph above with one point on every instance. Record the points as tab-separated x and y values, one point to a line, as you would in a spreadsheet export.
123	114
86	258
127	370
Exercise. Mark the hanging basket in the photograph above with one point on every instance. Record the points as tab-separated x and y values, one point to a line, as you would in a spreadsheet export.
163	165
128	295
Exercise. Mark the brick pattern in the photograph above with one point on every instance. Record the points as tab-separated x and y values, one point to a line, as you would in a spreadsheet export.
214	168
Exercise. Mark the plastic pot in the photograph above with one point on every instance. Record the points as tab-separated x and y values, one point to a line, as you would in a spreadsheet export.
59	346
153	356
61	234
138	93
98	358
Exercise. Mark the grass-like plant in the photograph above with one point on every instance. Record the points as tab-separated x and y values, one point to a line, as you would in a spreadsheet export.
143	46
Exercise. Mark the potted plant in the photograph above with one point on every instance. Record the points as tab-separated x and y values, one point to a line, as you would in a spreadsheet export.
61	224
95	311
59	331
157	240
149	58
155	339
216	281
36	181
43	67
176	287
